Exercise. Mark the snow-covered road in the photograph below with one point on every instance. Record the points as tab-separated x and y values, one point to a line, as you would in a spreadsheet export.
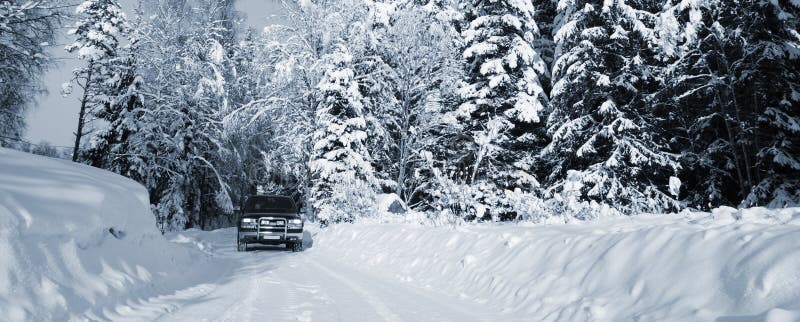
270	284
613	270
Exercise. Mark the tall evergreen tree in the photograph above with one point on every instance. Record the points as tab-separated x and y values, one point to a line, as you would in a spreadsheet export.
503	98
606	144
734	88
698	92
109	147
776	53
344	183
766	82
99	33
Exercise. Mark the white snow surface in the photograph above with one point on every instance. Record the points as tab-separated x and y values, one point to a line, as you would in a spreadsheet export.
60	262
58	259
729	265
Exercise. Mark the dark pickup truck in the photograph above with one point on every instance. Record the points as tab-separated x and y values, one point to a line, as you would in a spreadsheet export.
270	220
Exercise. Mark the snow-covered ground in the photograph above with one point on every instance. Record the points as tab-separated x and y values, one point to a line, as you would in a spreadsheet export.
60	261
728	265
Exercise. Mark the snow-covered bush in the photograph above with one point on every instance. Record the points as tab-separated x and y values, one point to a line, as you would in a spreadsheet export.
529	206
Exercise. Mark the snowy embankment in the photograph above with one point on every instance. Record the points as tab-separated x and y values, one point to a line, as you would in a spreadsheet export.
728	265
74	239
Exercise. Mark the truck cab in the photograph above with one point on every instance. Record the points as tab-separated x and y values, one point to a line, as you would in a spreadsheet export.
270	220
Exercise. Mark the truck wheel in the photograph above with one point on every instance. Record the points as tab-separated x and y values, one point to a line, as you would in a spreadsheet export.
240	246
297	247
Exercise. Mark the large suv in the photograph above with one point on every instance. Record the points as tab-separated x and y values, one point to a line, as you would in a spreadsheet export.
270	220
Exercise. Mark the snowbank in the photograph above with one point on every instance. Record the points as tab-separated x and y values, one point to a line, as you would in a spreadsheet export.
74	238
728	265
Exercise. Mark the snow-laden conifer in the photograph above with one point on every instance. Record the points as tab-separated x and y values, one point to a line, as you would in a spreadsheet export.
735	99
604	131
502	96
99	34
343	187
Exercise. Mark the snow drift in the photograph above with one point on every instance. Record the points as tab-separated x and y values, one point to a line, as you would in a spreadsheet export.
728	265
74	238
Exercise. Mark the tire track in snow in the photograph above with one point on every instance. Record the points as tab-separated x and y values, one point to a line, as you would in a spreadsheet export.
377	305
244	309
241	309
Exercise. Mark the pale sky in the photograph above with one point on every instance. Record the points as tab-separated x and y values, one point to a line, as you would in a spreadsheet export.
55	118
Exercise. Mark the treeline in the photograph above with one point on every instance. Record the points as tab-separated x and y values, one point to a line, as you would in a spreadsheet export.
498	110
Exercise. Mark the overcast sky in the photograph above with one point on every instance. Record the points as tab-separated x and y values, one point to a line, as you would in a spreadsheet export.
55	118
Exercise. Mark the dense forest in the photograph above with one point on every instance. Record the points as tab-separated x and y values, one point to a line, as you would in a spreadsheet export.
466	109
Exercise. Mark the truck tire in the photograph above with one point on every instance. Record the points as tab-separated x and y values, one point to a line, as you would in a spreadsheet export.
240	246
297	247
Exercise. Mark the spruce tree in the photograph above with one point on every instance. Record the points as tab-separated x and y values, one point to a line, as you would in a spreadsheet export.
98	35
503	99
768	80
606	143
344	184
109	147
733	85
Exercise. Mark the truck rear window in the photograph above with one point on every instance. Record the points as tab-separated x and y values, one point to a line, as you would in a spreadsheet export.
269	204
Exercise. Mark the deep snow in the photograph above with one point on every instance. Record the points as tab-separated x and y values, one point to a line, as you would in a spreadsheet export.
728	265
58	257
60	261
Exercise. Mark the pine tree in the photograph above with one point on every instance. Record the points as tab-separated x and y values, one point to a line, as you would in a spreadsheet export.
606	144
706	133
344	184
503	98
767	90
98	35
734	85
109	147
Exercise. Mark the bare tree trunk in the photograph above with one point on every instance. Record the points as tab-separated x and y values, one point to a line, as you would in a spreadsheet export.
732	143
82	114
746	156
756	136
401	175
309	207
737	114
